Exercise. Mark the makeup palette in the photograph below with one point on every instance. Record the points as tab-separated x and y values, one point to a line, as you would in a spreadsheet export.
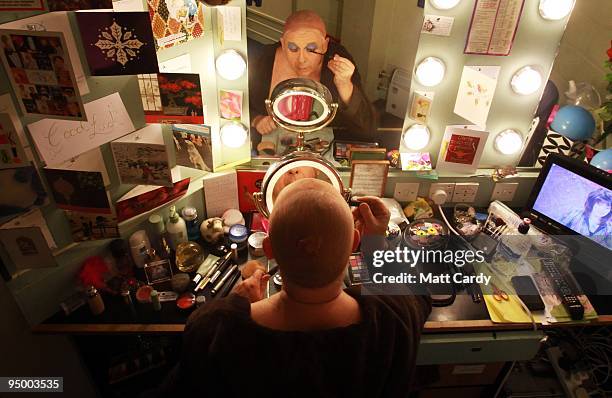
358	269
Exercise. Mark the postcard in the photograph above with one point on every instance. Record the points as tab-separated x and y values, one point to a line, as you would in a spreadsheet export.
75	5
27	248
230	104
249	182
421	106
40	71
56	22
461	149
82	191
476	91
180	95
142	164
58	141
437	25
21	5
88	161
91	226
175	22
11	152
229	23
220	193
27	191
142	199
118	43
415	161
33	218
193	146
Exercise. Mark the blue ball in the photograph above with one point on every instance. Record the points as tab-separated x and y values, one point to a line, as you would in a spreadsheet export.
574	122
603	160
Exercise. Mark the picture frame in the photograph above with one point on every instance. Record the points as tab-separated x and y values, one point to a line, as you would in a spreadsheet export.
369	177
158	271
367	154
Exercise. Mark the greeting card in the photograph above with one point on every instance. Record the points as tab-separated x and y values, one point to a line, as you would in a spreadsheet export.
26	191
421	106
249	182
229	23
180	95
33	218
91	226
27	248
476	91
40	71
55	22
193	146
11	152
415	161
59	141
141	158
230	104
88	161
145	198
461	149
81	191
118	43
174	22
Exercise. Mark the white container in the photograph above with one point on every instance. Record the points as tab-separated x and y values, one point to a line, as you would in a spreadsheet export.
176	228
139	246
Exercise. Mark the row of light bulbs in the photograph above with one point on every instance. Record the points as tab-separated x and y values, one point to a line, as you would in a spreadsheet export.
231	66
527	80
507	142
549	9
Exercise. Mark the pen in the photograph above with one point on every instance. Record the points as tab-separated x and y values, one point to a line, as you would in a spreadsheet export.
219	271
224	279
202	284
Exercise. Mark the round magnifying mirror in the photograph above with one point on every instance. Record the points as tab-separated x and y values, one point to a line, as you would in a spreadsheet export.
293	167
302	106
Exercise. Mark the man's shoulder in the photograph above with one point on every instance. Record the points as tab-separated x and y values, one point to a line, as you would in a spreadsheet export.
216	312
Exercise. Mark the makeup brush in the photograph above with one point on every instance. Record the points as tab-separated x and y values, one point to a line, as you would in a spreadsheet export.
319	53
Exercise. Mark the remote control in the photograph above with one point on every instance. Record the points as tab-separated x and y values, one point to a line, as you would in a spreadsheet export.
561	285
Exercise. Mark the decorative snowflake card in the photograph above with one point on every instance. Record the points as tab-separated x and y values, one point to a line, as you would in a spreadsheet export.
118	43
476	92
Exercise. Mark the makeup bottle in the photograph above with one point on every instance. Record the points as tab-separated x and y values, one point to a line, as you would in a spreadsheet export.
177	230
123	262
190	215
96	305
139	246
157	235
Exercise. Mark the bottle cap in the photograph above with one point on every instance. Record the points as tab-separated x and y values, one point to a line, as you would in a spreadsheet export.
238	233
157	223
190	213
173	215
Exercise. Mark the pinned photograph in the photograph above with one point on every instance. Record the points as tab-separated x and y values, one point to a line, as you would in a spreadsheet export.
158	271
193	146
78	190
27	191
118	43
230	104
180	95
89	226
11	152
142	164
40	71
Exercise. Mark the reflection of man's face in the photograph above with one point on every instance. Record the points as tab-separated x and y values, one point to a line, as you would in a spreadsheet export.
298	173
297	46
600	209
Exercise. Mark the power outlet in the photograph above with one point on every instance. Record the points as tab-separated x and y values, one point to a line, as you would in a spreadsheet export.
449	188
465	192
504	191
406	191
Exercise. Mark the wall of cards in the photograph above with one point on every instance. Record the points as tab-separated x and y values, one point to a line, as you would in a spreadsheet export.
108	109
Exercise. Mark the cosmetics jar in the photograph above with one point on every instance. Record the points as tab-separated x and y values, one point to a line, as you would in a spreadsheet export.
186	301
189	256
180	282
238	234
143	294
428	233
256	244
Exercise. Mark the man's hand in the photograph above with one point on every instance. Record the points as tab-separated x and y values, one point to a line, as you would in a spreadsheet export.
254	287
343	70
372	216
264	124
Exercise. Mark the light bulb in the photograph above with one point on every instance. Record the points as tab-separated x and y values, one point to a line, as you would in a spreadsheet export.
230	65
526	81
416	137
444	4
508	142
430	71
233	134
555	9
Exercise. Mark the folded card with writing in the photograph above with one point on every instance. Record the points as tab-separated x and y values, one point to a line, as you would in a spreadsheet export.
11	152
78	190
91	226
175	22
230	104
118	43
220	193
88	161
144	198
26	191
180	64
180	96
437	25
229	23
33	218
56	22
476	91
193	146
461	149
141	157
40	71
27	248
58	141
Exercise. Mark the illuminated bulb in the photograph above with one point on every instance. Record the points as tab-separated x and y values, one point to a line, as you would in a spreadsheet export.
444	4
430	71
509	142
230	65
526	81
233	134
416	137
555	9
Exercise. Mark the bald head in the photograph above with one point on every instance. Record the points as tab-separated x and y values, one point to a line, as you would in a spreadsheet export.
305	19
311	233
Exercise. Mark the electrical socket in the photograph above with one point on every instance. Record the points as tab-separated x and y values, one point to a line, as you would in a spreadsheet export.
449	188
504	191
465	192
406	191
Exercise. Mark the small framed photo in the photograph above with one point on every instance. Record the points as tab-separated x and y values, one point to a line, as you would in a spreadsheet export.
369	177
158	271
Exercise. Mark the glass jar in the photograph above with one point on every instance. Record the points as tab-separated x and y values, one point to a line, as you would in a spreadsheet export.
189	256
